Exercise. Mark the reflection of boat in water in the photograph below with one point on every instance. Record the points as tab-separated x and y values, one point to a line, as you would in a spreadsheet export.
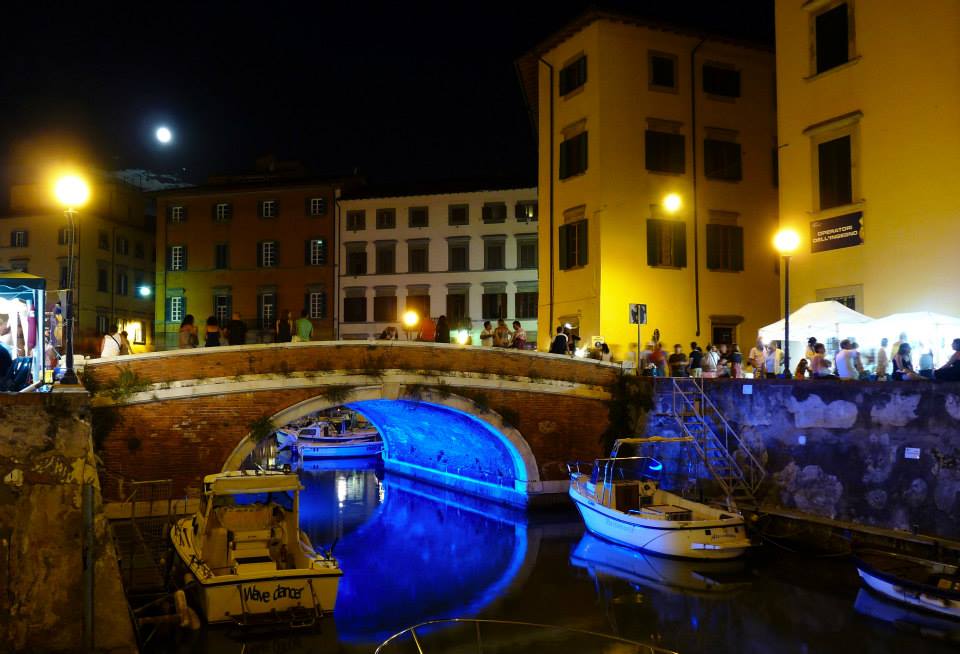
905	618
321	440
668	574
250	560
923	584
621	500
358	463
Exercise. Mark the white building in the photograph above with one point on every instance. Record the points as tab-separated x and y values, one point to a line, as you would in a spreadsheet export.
471	256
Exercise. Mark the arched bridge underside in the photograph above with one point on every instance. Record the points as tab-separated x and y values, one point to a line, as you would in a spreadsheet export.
495	423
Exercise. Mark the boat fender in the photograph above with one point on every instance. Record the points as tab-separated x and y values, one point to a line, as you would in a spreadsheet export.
648	488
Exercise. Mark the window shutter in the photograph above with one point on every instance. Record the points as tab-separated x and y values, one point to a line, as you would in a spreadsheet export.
169	213
185	212
563	248
26	238
563	160
306	206
736	248
213	211
13	238
306	303
306	252
679	244
714	247
583	148
169	258
653	242
260	208
582	246
183	303
276	208
167	309
276	254
259	254
260	311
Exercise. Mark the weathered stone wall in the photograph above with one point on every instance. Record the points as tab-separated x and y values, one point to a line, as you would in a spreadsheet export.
46	456
844	450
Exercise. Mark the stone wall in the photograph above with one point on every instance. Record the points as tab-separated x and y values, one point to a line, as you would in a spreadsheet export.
46	456
881	454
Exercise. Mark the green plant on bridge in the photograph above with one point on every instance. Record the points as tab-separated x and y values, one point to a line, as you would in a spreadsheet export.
337	394
128	383
261	428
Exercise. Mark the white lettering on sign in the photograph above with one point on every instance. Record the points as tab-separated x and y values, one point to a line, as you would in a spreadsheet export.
254	594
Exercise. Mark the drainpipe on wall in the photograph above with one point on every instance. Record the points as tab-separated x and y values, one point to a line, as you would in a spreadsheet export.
550	187
693	161
336	266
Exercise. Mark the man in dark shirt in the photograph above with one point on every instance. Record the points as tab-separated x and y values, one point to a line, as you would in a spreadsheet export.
236	330
696	359
5	362
678	362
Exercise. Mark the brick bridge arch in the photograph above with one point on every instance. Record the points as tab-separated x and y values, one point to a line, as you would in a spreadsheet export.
497	423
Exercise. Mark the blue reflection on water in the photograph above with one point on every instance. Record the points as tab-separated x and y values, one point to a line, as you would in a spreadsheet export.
410	552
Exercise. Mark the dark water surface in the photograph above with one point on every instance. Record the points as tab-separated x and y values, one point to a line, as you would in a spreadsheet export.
412	552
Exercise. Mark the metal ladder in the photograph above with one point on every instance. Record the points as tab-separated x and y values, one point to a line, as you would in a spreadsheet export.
723	452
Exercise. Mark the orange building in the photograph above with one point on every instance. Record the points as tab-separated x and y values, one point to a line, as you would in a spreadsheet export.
259	245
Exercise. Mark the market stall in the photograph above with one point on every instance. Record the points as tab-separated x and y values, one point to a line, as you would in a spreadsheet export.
926	331
22	298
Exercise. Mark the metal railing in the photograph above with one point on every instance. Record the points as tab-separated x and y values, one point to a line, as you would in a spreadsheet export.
505	636
141	537
728	458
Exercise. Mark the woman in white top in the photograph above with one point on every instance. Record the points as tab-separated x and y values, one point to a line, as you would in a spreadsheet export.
111	344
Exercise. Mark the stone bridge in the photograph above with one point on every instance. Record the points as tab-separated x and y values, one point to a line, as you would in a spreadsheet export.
491	422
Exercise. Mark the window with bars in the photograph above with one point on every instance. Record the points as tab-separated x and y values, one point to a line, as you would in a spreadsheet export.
222	212
317	305
267	254
525	305
666	243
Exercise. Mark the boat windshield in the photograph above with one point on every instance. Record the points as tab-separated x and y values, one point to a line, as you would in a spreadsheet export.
634	468
282	498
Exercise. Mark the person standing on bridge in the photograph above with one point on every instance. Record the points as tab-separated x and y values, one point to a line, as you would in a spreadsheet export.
188	333
443	330
304	327
236	330
284	327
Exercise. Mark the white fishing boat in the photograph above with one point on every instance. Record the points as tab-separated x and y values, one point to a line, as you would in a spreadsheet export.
931	586
286	439
321	440
620	500
245	558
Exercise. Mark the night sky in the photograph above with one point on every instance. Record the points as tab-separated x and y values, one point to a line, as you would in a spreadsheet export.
398	91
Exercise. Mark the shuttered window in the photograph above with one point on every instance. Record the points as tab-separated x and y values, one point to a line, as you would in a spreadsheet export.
573	76
573	245
666	243
722	160
664	152
725	248
573	156
835	175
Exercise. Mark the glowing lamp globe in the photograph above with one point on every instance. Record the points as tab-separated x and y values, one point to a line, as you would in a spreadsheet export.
463	336
410	319
786	241
672	202
145	291
71	191
164	135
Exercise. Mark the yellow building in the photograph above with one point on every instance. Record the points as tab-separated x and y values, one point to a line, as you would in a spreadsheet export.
868	93
628	113
114	256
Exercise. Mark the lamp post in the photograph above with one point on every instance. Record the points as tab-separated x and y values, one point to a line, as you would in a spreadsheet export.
72	192
786	242
410	321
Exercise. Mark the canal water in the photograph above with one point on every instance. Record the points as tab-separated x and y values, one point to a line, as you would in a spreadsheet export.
412	552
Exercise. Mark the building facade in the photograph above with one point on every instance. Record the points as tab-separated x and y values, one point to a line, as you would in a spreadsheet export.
259	245
471	256
114	257
627	114
869	151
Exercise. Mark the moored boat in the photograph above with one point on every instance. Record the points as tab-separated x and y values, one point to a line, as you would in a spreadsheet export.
322	441
620	500
246	558
921	583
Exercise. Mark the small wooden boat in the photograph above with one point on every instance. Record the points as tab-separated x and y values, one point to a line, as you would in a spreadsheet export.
921	583
620	500
246	559
322	441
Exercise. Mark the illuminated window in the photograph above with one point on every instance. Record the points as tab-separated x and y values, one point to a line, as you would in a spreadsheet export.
573	75
267	254
317	206
526	211
316	252
268	209
666	243
222	212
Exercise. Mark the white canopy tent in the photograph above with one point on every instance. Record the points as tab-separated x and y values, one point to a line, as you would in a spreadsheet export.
825	320
925	330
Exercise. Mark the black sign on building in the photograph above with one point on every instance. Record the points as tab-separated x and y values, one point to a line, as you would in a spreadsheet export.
837	232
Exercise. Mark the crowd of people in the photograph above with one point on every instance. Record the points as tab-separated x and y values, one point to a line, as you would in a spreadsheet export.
767	360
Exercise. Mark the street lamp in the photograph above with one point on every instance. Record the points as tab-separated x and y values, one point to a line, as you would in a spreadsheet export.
786	242
672	202
72	192
410	322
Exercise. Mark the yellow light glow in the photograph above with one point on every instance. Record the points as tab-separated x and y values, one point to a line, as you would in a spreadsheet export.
410	319
672	202
72	191
786	241
463	336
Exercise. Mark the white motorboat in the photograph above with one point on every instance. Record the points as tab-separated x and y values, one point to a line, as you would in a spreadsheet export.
621	501
286	439
931	586
321	440
245	558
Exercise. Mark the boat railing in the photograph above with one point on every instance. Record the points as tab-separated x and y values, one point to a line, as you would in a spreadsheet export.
506	636
606	471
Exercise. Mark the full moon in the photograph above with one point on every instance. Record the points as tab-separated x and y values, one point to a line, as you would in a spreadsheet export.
164	135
